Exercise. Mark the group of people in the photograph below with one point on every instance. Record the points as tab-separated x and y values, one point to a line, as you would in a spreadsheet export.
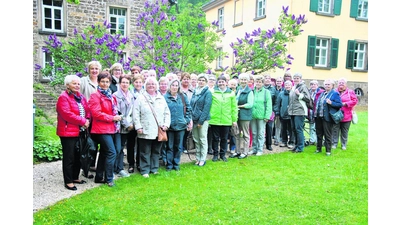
122	110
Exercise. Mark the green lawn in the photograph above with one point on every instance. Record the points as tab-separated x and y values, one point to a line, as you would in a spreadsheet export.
282	188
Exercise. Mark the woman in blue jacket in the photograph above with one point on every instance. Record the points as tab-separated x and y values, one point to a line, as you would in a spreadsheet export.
181	115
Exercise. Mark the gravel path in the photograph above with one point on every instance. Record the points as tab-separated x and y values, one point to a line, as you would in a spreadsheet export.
48	184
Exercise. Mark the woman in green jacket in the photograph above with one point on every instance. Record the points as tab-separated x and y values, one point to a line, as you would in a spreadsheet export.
223	115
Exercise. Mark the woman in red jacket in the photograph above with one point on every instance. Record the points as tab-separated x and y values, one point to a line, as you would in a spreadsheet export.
105	128
73	118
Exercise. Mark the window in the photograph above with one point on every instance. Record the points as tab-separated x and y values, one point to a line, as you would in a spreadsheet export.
238	13
52	16
47	61
322	52
260	8
219	59
118	21
359	9
357	53
326	7
221	19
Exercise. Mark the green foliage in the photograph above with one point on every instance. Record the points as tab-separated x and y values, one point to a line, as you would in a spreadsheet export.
46	145
73	1
265	50
47	151
71	55
281	188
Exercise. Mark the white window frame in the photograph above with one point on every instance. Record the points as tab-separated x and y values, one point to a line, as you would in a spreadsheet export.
362	11
53	9
260	8
325	6
46	59
360	55
120	16
219	64
221	18
322	52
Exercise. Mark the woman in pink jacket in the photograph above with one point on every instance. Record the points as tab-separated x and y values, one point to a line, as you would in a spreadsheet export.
349	100
105	128
73	118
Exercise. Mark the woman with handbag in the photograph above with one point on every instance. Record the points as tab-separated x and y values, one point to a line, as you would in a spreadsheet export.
73	118
349	100
328	103
181	115
151	113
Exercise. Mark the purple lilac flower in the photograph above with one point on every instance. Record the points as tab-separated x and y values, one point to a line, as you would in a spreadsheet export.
75	31
38	67
239	40
251	41
51	63
83	36
79	74
285	10
60	69
224	32
290	57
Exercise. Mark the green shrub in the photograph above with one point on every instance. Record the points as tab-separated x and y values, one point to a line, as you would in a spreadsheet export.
46	145
47	151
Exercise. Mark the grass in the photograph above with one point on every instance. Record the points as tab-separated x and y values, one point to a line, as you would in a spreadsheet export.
282	188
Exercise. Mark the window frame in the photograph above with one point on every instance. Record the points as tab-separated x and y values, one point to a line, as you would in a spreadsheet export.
44	78
220	17
219	61
263	14
354	10
331	53
352	57
117	17
334	5
63	16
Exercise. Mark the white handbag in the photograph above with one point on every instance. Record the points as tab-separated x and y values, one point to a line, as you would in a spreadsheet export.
354	117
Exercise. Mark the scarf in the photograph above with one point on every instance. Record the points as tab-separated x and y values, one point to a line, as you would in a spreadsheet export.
107	93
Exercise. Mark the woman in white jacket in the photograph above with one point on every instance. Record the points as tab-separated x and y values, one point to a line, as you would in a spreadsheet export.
146	125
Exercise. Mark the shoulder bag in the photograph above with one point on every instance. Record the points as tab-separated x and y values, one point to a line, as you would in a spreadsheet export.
162	134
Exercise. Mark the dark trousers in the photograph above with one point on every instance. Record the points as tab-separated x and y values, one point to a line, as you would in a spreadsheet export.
149	155
119	160
297	126
131	152
268	133
175	140
323	130
209	139
71	159
286	130
220	137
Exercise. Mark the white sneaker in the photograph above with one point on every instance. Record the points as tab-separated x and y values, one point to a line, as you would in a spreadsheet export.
122	173
259	153
333	146
251	153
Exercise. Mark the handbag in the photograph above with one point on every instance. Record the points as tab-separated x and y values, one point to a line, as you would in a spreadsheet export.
189	143
354	117
337	116
161	134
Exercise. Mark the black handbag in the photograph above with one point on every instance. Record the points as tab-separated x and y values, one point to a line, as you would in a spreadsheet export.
87	150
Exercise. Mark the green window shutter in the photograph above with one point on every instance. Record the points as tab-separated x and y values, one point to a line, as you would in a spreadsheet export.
337	7
353	8
334	52
350	54
312	40
313	5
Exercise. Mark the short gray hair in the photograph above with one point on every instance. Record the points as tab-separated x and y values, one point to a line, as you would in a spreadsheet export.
298	75
244	76
69	78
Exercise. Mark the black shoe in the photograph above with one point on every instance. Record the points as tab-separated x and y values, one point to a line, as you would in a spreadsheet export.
215	158
73	188
269	147
79	182
89	177
131	170
99	181
210	153
276	143
296	151
223	158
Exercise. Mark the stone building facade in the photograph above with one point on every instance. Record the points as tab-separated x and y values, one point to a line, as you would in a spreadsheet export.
79	16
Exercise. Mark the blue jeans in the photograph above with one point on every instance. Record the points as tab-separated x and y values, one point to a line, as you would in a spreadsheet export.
119	160
297	126
110	144
175	140
258	130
